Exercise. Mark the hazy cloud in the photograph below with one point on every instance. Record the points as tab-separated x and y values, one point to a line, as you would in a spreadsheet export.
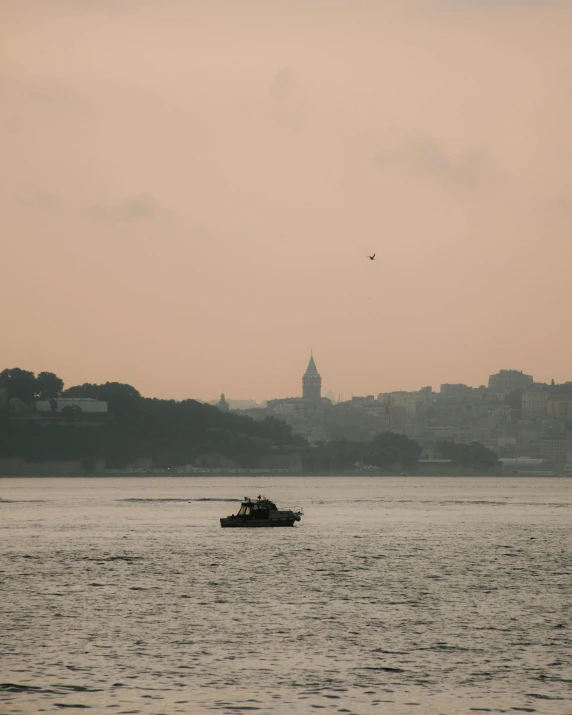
49	93
284	82
136	208
501	3
428	157
563	206
36	200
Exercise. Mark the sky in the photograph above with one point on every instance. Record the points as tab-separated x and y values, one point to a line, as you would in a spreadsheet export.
189	192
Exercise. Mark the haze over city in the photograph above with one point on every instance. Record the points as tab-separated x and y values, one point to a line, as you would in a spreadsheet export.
189	192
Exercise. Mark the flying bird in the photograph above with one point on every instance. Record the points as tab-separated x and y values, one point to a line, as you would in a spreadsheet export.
372	258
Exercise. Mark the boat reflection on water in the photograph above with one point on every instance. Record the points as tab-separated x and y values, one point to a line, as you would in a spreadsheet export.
260	513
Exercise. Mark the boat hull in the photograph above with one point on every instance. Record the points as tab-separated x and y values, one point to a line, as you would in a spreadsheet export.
237	522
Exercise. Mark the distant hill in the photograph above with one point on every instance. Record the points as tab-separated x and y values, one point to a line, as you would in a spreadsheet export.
171	433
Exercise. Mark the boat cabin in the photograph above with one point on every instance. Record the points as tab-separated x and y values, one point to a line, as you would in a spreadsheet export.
260	508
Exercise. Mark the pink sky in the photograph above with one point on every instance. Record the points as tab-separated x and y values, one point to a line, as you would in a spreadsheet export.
189	190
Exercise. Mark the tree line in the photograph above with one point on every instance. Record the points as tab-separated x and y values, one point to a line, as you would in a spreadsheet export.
27	386
175	433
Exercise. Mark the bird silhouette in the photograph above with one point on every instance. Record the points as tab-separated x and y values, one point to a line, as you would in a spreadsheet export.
372	258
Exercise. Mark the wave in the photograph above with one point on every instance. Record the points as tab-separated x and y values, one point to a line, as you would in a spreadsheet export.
163	499
22	501
444	502
54	689
215	500
174	499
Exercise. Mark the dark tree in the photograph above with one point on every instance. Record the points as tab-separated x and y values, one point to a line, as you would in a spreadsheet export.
85	390
121	398
390	448
19	383
384	451
467	455
48	386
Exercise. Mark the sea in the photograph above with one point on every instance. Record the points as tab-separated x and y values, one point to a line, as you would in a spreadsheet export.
402	595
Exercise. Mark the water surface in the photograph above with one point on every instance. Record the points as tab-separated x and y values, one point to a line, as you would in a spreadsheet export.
393	595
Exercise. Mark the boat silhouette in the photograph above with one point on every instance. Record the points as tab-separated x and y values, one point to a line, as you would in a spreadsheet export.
261	512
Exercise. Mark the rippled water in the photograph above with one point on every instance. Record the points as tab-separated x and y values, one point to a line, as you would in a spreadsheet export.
391	596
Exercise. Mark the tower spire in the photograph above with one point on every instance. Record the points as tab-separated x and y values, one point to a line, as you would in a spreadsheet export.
312	382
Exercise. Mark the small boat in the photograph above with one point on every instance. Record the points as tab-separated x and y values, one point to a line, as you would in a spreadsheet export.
261	512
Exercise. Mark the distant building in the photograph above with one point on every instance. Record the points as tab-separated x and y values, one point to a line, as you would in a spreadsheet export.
534	400
312	383
85	404
507	442
367	400
528	433
506	381
449	390
286	406
555	447
413	403
499	416
237	404
560	408
222	404
243	404
521	461
307	415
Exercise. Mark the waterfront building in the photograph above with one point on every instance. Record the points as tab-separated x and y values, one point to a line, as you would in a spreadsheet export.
555	447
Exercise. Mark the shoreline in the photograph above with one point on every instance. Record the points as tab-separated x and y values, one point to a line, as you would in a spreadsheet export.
461	474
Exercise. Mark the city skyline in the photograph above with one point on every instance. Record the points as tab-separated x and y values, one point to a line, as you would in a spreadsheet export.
192	210
307	379
334	397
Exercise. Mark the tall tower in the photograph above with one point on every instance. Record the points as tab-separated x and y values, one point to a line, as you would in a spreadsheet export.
222	404
312	383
